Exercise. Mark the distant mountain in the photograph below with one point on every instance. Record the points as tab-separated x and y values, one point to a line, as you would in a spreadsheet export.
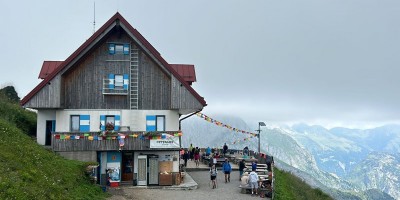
331	159
202	133
379	170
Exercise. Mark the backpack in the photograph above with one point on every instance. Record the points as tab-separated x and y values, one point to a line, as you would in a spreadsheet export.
213	172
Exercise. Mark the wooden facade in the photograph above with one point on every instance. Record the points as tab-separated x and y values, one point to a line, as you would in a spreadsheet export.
79	84
48	97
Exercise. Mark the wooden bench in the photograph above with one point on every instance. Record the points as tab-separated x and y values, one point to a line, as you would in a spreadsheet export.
245	189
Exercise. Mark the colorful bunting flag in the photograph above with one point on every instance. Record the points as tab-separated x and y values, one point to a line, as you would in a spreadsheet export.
205	117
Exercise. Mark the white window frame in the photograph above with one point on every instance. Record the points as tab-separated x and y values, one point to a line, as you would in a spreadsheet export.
119	48
119	81
73	123
160	122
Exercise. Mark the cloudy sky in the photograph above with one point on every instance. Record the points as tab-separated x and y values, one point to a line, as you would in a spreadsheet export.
328	62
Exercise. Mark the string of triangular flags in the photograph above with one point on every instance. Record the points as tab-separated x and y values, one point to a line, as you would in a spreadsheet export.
115	136
218	123
242	140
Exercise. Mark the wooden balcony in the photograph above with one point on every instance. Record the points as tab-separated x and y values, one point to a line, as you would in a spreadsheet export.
89	141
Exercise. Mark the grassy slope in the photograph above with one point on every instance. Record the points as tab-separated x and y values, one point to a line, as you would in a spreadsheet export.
288	186
28	171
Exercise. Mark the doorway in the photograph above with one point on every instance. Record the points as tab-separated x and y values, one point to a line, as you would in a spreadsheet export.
50	127
127	166
142	170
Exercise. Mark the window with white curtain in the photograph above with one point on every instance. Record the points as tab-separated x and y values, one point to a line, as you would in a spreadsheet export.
75	122
160	123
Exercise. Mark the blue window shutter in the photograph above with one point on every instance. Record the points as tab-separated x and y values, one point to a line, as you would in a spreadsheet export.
102	122
111	84
84	123
117	122
126	49
150	123
126	81
111	49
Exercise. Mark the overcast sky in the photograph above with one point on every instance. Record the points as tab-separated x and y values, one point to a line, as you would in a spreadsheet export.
328	62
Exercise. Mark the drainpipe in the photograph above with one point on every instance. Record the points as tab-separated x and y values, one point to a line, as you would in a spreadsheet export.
180	142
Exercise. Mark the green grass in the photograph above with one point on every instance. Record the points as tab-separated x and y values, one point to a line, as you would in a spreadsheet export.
288	186
29	171
23	119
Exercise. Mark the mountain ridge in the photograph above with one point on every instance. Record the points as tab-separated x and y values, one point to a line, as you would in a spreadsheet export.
329	156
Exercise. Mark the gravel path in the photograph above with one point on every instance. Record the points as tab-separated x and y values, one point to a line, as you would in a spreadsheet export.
224	191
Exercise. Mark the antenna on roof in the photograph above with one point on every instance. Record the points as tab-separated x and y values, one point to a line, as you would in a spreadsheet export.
94	16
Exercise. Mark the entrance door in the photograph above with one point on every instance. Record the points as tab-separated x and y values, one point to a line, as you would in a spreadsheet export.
142	170
127	166
50	127
153	170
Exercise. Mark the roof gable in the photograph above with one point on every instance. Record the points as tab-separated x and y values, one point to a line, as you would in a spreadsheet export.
187	72
115	20
48	67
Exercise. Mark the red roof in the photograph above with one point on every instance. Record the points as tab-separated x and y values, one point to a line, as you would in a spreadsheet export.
186	71
48	67
98	33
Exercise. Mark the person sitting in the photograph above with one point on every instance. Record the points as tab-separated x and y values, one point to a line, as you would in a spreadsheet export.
208	151
245	180
254	166
246	152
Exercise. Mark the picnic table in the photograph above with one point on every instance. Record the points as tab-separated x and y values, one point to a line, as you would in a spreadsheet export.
220	161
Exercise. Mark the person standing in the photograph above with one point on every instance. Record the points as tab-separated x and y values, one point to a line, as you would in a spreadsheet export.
191	151
242	165
253	180
197	156
192	154
254	166
227	170
181	152
185	158
213	173
225	149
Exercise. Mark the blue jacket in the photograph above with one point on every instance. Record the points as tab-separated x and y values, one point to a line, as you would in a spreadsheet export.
254	166
226	167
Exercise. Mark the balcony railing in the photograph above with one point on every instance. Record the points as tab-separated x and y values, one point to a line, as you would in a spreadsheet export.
95	141
113	90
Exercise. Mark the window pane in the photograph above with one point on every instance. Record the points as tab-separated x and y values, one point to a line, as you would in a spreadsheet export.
75	123
119	80
110	119
119	48
160	123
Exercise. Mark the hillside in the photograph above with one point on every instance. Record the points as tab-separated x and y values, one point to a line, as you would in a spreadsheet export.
31	172
288	186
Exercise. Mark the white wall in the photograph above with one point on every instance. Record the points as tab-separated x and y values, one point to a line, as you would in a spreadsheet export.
42	117
135	119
